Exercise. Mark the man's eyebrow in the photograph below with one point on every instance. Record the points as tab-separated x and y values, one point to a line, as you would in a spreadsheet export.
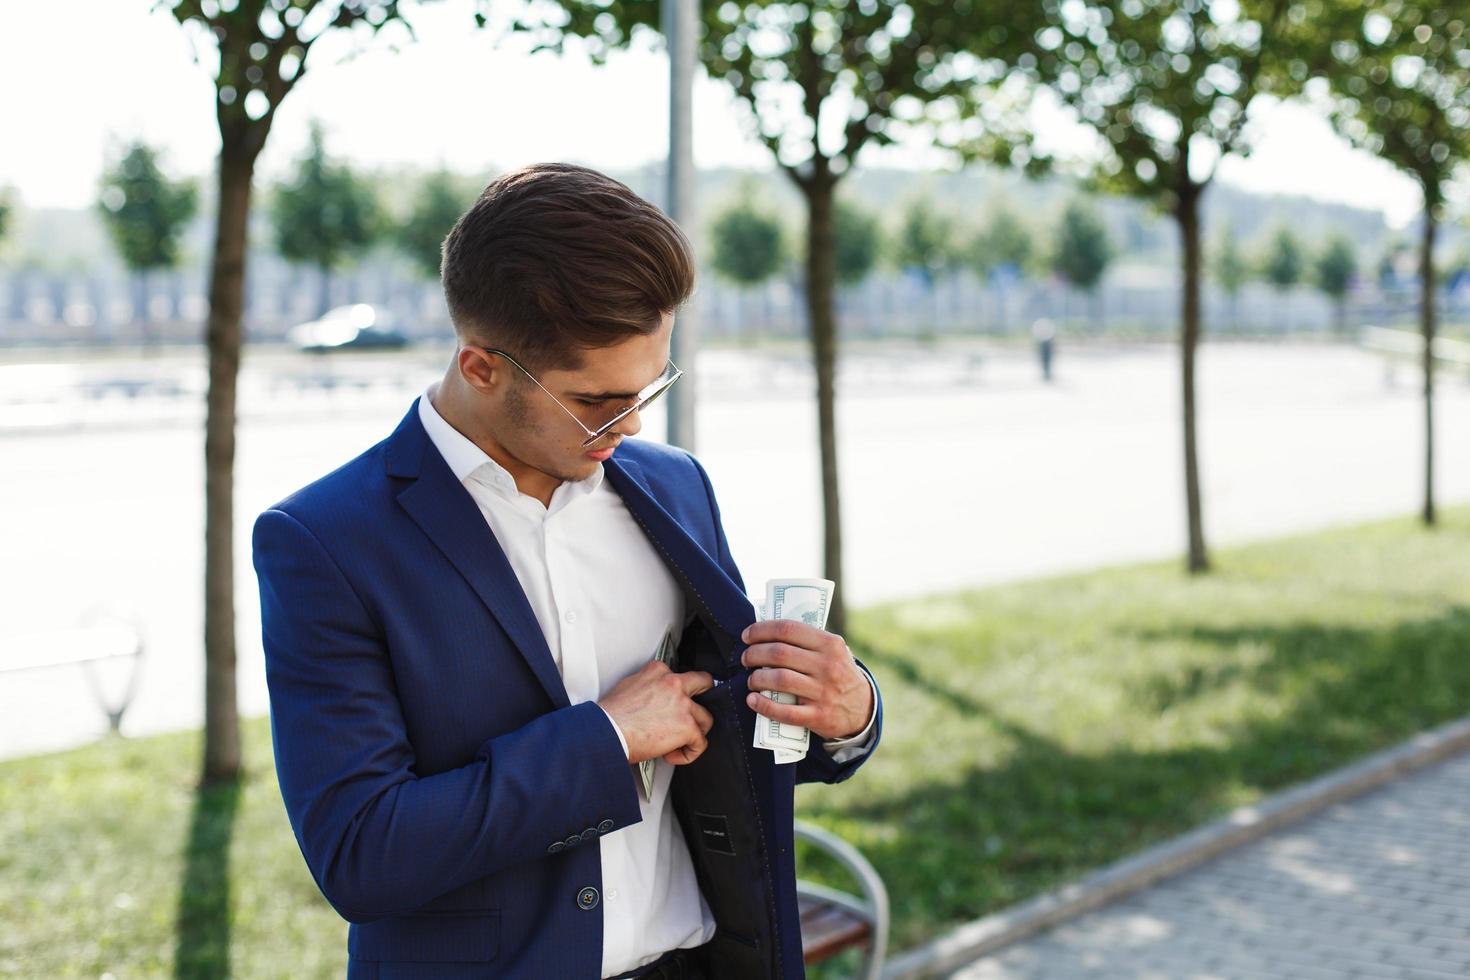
593	396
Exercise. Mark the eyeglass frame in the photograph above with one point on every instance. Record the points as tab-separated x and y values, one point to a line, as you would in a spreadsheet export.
601	432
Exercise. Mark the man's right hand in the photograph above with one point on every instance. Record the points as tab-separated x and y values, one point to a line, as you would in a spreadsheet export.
656	712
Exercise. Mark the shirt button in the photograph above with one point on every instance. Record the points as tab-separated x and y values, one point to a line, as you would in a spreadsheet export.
587	899
612	894
571	616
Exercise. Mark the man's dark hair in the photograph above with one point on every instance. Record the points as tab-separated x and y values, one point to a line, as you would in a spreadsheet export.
555	259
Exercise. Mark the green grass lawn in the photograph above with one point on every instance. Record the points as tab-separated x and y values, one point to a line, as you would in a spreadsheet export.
1035	731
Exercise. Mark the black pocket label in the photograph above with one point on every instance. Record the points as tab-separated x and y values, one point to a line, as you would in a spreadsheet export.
714	831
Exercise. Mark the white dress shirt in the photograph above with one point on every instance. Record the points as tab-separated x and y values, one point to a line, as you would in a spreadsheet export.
576	561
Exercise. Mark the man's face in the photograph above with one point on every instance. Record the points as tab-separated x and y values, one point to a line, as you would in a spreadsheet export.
538	433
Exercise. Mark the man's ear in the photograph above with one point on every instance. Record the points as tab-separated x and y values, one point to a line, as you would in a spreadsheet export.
481	370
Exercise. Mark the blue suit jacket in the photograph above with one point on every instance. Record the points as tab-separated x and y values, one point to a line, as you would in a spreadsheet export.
445	794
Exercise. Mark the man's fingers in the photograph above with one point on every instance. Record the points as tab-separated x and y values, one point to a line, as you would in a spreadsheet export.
696	682
782	679
789	631
795	658
686	754
703	718
793	714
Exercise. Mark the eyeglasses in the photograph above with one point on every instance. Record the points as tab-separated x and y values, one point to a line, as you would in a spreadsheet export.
641	401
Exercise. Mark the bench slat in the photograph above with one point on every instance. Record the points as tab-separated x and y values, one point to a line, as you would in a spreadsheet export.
827	930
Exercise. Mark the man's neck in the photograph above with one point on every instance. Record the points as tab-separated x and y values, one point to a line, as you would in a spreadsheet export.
450	400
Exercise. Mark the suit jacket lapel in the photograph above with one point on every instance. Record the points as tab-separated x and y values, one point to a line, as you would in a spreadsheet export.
447	513
723	600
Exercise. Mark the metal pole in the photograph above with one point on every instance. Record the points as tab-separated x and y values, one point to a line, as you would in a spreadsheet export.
680	23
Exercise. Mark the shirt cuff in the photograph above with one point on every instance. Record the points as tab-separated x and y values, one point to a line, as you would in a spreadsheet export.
844	750
621	740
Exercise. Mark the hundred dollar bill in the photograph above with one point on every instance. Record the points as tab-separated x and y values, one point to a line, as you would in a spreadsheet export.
665	654
805	600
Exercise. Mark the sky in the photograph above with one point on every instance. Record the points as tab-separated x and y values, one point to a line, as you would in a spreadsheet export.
458	99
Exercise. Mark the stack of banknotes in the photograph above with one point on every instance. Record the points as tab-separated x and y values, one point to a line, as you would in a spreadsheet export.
805	600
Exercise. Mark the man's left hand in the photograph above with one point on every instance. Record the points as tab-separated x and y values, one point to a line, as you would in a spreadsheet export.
834	698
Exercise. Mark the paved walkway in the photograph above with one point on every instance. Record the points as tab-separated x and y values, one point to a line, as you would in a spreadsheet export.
1376	887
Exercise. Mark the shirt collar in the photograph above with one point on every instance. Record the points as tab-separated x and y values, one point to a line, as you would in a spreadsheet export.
468	461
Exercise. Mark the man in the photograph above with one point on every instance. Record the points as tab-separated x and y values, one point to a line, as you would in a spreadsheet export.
460	632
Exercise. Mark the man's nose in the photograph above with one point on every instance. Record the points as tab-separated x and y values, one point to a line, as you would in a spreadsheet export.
630	424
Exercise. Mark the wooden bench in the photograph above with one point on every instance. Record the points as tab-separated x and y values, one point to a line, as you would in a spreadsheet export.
833	921
88	646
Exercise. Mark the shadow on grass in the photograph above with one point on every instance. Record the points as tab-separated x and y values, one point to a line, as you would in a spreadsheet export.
203	918
976	837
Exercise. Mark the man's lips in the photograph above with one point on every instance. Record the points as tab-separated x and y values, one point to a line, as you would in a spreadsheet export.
603	454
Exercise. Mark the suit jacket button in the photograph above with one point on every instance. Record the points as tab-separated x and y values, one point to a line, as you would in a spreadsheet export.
556	848
589	833
605	826
588	898
574	840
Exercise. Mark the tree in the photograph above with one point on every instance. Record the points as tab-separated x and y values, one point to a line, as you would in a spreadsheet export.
1005	240
1231	270
926	240
324	214
746	239
748	243
1165	84
859	236
853	75
1334	271
145	213
442	197
1282	265
925	244
1001	251
259	51
1400	77
1082	250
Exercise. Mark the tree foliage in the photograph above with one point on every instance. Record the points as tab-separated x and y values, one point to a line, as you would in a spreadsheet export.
1230	267
926	239
860	240
442	197
325	212
1400	71
747	241
145	212
1082	249
1336	266
1282	263
1004	240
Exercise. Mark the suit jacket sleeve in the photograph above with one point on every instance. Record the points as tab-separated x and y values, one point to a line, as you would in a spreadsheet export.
818	766
381	838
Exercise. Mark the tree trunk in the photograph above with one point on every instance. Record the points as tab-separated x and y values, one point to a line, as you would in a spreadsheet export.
1189	234
821	278
1427	314
226	305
